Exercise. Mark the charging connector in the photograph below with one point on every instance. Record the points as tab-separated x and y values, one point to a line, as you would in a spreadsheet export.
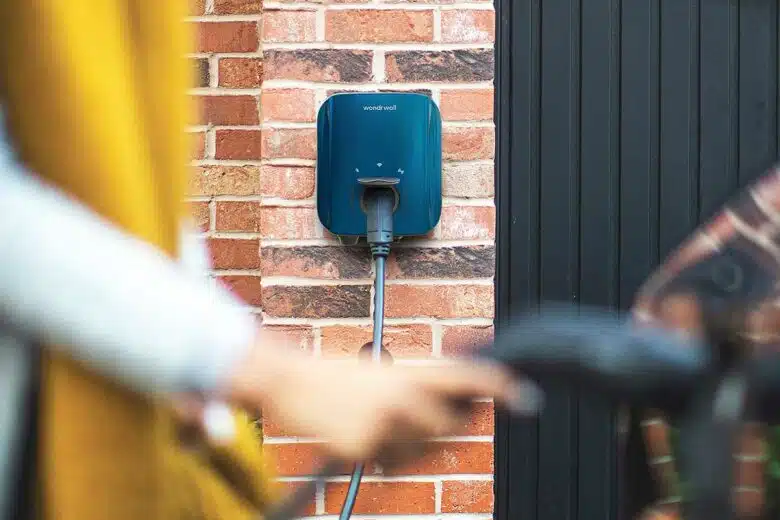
379	202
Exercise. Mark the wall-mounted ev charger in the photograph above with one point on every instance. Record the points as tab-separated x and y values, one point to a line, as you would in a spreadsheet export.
391	138
379	161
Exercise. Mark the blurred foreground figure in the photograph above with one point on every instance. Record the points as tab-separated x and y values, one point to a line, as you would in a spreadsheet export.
731	262
101	321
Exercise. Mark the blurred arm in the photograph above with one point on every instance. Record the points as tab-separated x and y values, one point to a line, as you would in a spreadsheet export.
74	281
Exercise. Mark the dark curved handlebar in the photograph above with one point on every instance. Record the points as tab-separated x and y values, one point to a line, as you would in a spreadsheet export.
601	351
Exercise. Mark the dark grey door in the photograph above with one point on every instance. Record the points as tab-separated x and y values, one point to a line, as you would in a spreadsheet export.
621	125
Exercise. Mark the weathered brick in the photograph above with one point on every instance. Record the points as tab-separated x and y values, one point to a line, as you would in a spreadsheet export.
287	182
325	65
227	37
289	143
200	215
383	498
226	180
460	340
239	144
455	65
228	110
282	222
468	180
469	496
439	301
403	341
438	2
442	262
288	104
238	7
240	72
467	105
201	66
468	25
329	262
468	143
289	26
247	288
448	458
336	301
238	216
234	253
468	222
381	26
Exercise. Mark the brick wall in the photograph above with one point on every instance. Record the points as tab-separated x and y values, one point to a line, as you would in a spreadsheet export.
254	197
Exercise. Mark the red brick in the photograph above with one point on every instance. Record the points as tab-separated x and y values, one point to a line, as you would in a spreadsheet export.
469	496
657	435
468	25
238	7
289	143
197	7
198	145
380	26
318	301
403	341
238	216
289	26
294	105
281	222
240	72
297	459
228	110
749	473
481	420
459	340
288	488
326	262
467	105
200	215
751	440
239	144
468	143
448	458
384	498
247	288
468	180
287	182
230	253
440	301
226	180
748	503
468	222
227	37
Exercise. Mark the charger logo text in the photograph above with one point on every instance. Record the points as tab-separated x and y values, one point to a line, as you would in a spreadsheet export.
379	108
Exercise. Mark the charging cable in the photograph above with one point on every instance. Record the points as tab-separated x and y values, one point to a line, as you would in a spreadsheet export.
380	199
379	202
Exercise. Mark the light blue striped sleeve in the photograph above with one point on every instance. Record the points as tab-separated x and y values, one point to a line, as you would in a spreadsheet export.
71	279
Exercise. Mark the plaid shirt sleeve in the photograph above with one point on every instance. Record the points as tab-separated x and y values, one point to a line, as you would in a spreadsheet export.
747	228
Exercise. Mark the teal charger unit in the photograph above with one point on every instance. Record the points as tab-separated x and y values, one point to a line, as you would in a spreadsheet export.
393	139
